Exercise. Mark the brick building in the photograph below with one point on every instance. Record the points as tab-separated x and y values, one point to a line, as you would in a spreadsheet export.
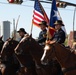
71	38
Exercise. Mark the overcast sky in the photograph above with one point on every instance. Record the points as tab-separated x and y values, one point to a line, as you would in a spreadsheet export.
25	10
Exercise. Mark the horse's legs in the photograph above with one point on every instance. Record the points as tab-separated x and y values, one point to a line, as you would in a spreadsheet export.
3	67
9	70
22	71
0	73
56	68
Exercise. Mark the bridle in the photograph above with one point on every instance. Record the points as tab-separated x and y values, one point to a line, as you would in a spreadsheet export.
50	54
21	50
64	70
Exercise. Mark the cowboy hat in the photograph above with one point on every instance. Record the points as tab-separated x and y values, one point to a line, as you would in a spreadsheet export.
58	22
43	23
22	30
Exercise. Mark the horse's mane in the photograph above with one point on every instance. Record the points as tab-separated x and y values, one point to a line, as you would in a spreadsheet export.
11	39
38	49
32	40
1	41
36	43
11	42
69	50
32	43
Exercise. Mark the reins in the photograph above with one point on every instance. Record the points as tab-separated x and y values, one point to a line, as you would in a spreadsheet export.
50	53
64	70
19	61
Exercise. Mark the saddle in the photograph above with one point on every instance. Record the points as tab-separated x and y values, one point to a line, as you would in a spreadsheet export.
73	50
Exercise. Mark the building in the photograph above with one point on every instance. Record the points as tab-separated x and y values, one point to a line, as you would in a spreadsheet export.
5	29
71	38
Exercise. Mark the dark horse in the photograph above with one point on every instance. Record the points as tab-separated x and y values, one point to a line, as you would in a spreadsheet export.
29	45
26	61
9	63
65	57
1	43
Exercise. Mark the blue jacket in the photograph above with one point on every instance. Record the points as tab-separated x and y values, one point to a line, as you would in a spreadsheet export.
41	37
59	36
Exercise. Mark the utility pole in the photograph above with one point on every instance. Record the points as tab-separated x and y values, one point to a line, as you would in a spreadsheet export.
74	24
14	30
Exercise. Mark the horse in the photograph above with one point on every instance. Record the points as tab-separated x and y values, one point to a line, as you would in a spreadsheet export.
65	56
26	61
36	51
1	43
9	64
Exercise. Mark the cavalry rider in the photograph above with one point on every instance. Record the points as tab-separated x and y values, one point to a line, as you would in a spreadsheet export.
42	34
22	32
59	35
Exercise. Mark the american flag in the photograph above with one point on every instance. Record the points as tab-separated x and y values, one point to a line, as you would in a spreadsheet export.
39	14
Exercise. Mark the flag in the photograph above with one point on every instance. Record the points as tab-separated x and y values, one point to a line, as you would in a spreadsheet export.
54	16
39	14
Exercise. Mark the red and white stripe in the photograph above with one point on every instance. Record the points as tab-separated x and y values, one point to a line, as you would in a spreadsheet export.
37	18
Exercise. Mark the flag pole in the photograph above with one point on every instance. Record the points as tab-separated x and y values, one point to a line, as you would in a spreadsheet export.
48	28
48	33
31	28
14	32
74	24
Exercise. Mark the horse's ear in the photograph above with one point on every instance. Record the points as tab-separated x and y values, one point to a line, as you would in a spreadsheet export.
12	38
31	35
1	37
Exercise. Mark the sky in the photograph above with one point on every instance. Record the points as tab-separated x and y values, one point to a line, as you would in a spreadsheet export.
25	10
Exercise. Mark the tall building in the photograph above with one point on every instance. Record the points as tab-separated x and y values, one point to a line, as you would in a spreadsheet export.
5	29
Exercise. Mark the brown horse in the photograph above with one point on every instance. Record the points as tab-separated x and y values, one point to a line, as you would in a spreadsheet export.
65	57
26	61
1	43
28	44
9	64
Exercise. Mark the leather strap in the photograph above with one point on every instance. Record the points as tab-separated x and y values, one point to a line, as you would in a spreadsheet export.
68	69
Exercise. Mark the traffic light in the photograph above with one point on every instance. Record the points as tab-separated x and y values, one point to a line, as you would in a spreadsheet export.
15	1
11	1
61	4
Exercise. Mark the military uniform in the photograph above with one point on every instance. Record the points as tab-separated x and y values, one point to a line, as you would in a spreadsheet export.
42	34
22	30
42	38
59	36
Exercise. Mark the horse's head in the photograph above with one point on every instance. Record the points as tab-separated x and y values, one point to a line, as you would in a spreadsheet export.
48	52
9	45
29	46
23	44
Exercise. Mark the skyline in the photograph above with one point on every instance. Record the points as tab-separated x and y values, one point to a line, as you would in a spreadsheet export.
12	11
